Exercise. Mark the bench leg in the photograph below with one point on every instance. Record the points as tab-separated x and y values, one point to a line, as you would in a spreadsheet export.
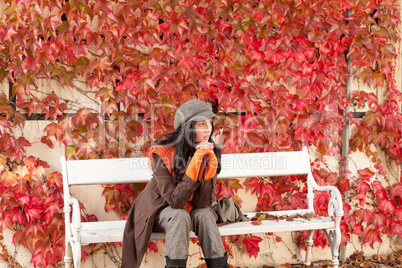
77	255
67	257
334	239
309	245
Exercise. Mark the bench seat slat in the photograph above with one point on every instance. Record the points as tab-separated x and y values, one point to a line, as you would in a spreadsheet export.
101	231
112	231
298	224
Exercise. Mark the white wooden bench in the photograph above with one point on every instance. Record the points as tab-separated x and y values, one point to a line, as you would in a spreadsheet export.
130	170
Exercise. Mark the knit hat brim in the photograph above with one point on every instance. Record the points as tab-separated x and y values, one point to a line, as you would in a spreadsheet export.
193	110
203	116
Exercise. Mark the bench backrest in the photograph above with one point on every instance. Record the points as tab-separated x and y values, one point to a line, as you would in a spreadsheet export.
129	170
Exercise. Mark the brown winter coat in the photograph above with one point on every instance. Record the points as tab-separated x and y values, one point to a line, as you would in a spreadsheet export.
160	192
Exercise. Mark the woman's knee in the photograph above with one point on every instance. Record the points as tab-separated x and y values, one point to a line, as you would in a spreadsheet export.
181	215
203	214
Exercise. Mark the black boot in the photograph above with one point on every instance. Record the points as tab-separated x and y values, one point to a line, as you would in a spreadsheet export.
221	262
175	263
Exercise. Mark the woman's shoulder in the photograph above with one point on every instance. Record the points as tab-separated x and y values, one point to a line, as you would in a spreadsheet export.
166	153
160	156
161	150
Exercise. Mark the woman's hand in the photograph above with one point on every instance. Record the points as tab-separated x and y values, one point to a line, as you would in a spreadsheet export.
205	145
211	158
203	149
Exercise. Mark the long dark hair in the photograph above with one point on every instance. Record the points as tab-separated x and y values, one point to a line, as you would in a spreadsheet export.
184	140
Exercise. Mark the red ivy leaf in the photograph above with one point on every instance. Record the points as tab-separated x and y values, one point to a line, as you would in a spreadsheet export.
58	253
38	259
234	184
320	239
225	191
111	194
321	198
298	200
42	247
255	185
9	179
264	204
53	130
53	113
251	243
396	228
51	208
268	189
345	234
92	218
379	219
363	215
396	191
359	196
366	174
84	254
47	141
32	212
30	64
388	206
256	222
371	237
343	185
357	229
362	187
36	230
378	190
152	246
54	178
22	143
348	217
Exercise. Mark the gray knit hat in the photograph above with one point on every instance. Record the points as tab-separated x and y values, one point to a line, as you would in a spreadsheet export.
193	110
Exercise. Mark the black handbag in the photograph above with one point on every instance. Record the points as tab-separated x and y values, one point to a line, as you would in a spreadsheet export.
227	211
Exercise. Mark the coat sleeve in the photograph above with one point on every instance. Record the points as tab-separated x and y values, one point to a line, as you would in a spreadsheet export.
176	193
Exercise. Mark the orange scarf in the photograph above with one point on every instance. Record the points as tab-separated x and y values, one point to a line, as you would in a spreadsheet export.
167	155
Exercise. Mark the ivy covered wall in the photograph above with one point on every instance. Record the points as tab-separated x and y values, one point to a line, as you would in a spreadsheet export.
99	79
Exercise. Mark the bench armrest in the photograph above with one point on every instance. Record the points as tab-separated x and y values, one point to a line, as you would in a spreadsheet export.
335	201
74	227
335	207
76	218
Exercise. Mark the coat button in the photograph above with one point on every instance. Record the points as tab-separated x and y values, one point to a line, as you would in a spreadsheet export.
188	183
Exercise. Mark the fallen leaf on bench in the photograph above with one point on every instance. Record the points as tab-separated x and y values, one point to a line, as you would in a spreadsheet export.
256	222
266	216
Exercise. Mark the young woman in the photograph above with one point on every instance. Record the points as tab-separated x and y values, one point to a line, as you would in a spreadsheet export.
185	164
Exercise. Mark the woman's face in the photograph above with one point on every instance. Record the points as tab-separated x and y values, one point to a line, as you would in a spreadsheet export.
203	130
